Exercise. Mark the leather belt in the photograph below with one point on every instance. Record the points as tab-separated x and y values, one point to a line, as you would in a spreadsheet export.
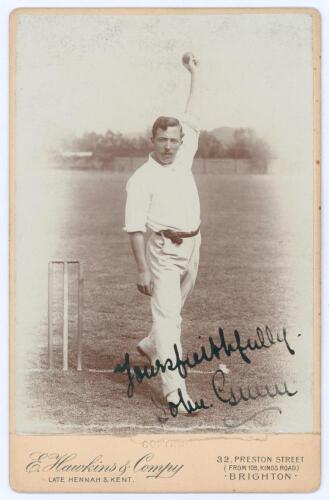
177	236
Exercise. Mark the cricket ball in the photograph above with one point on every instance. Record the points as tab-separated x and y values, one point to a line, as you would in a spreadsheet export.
187	57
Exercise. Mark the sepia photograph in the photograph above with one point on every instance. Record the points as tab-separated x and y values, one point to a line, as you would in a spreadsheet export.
164	233
165	250
164	272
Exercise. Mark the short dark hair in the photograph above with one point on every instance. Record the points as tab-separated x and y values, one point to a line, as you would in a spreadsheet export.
164	122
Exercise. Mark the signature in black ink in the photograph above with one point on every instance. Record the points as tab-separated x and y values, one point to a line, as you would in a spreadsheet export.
255	415
264	340
234	397
188	406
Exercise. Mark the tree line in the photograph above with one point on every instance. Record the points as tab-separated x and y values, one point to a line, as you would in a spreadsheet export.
242	144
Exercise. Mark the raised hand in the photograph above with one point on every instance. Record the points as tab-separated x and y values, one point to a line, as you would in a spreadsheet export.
190	62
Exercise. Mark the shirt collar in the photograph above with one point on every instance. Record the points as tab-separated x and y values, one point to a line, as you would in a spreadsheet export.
152	161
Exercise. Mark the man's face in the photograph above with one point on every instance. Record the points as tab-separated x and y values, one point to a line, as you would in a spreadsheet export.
166	144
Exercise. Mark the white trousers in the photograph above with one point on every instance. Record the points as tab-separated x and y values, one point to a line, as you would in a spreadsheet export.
174	269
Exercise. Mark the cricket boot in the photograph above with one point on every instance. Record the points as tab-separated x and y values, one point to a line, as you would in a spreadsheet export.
147	350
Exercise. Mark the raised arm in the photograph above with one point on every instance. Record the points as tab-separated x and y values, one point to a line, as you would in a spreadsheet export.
192	64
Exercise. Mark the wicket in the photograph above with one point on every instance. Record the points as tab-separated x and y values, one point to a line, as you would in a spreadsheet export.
65	265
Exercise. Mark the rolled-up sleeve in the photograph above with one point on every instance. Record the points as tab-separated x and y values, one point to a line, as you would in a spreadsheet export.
137	204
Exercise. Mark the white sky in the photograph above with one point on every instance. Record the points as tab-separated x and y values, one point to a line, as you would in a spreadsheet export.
97	72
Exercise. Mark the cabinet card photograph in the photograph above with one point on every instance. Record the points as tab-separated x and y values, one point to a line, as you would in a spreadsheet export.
165	290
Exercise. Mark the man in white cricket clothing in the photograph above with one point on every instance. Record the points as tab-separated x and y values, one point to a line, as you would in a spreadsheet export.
162	196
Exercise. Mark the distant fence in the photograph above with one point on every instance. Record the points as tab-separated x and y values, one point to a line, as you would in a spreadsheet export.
223	166
200	165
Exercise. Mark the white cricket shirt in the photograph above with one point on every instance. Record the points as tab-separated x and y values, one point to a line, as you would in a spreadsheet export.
165	196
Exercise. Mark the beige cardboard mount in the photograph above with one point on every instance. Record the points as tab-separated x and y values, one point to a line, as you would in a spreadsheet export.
137	461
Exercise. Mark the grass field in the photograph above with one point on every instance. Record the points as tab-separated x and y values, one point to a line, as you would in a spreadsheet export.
249	276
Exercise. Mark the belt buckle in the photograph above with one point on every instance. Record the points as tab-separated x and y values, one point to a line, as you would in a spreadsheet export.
174	237
177	239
